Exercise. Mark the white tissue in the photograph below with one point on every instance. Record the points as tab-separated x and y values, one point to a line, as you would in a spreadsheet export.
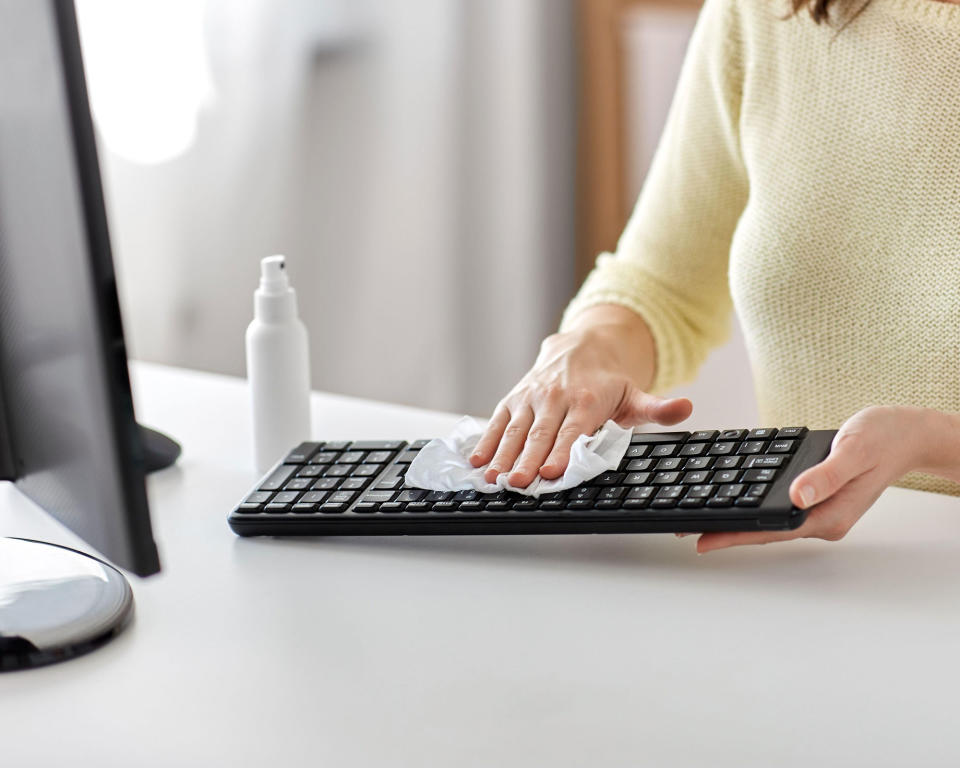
444	465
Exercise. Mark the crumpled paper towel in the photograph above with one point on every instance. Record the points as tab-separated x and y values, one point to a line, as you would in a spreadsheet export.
444	465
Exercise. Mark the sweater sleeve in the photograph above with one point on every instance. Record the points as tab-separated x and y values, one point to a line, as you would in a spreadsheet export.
671	262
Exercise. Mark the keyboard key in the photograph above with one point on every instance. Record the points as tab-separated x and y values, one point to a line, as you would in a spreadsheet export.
725	476
418	507
608	478
669	464
664	449
336	470
691	502
333	507
364	470
733	434
641	493
444	507
391	508
303	508
298	484
363	508
636	451
607	504
637	478
782	446
311	470
302	453
722	449
700	491
406	457
748	501
353	484
549	504
751	446
326	483
583	493
414	494
258	497
701	462
764	461
466	496
728	462
377	445
278	478
704	436
416	445
580	504
377	497
671	492
285	497
731	489
694	449
439	496
758	490
526	503
657	437
666	478
761	434
342	497
721	501
378	457
639	465
696	477
351	457
664	503
791	433
759	475
325	457
336	445
611	493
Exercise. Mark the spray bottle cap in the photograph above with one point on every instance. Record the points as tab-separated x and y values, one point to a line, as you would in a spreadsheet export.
273	276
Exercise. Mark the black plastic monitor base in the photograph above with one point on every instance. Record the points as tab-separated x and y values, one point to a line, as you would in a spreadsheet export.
159	451
56	603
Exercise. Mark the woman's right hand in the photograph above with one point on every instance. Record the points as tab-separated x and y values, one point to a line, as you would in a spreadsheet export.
581	378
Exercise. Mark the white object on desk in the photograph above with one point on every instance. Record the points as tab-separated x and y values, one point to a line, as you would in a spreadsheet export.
278	367
560	651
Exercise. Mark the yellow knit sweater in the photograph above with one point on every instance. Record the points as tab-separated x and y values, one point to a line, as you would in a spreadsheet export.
811	180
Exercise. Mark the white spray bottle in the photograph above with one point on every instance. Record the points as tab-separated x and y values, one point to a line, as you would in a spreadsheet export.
278	367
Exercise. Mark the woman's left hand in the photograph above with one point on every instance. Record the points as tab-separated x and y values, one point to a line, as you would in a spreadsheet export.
873	449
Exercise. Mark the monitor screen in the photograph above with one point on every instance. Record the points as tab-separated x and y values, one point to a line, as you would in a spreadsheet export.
68	431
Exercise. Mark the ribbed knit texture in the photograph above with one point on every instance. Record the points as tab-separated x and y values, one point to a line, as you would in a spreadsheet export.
811	179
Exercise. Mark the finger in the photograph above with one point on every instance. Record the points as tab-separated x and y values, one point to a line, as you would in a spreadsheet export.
490	439
577	422
830	520
848	459
641	408
540	440
511	444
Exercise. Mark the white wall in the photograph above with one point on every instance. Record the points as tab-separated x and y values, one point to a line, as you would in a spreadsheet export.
414	160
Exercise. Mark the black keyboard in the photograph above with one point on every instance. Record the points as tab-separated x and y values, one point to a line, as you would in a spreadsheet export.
732	480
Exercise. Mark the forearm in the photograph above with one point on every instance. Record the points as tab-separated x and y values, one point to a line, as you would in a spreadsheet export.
938	443
627	333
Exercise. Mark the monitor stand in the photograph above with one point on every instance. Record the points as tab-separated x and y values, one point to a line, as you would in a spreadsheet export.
57	603
159	451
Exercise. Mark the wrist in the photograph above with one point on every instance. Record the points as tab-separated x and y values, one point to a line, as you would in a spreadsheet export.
625	337
937	441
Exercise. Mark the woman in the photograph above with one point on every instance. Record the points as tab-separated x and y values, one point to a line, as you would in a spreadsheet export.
809	177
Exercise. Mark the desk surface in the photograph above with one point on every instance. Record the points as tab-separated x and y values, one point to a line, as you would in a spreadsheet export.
492	651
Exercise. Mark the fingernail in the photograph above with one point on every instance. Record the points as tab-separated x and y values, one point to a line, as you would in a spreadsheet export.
807	495
681	535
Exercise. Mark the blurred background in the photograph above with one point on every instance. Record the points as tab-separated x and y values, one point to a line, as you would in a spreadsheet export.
441	175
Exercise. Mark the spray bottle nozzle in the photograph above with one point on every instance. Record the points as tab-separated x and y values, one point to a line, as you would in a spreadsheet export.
273	275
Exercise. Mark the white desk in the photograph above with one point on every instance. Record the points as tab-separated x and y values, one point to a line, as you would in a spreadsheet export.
493	651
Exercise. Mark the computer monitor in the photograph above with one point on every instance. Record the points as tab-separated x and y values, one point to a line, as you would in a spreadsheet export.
68	437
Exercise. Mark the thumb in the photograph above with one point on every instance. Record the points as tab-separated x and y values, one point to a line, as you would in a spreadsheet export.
640	407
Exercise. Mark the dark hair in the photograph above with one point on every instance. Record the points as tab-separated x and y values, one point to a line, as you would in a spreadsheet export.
820	9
